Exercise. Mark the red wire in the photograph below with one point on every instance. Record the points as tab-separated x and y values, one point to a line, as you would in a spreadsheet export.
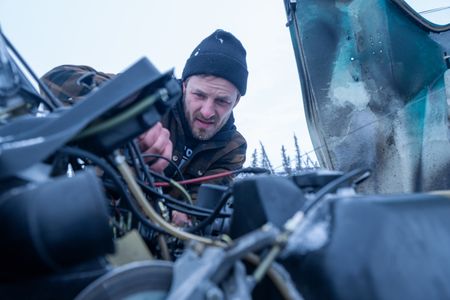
198	179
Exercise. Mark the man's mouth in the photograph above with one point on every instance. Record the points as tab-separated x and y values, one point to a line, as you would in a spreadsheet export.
204	123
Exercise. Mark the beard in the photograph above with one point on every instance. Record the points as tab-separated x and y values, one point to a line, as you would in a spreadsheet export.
200	130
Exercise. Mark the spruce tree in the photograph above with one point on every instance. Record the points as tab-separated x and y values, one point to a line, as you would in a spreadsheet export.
286	161
265	161
254	163
298	157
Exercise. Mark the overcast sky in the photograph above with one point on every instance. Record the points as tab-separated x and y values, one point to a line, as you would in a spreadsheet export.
111	35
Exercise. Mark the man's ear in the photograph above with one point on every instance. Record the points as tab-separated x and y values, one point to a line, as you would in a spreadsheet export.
237	101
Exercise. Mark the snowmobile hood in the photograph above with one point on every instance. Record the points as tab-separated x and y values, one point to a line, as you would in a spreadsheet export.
374	75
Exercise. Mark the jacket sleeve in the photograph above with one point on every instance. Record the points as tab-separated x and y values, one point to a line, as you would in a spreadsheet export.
70	83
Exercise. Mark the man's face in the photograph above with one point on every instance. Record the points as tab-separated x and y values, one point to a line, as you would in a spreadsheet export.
208	103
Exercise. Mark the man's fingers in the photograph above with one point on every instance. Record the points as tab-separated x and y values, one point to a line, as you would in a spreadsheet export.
156	140
161	164
161	142
147	139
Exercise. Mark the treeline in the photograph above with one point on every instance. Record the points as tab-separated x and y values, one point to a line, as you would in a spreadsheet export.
290	164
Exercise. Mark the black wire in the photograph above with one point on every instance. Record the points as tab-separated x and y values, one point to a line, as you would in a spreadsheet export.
144	166
160	176
333	185
255	170
55	101
177	202
200	211
212	216
141	169
111	172
195	214
168	160
133	161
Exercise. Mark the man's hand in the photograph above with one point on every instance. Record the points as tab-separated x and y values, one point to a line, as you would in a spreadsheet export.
156	141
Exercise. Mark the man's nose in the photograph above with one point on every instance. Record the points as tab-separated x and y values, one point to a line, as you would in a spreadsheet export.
208	110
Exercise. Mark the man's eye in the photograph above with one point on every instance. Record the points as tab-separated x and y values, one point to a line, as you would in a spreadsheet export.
199	96
223	102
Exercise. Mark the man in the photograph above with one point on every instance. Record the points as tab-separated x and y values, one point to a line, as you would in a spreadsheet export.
205	140
199	134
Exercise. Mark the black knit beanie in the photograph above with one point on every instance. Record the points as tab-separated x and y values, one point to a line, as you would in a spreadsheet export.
221	54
